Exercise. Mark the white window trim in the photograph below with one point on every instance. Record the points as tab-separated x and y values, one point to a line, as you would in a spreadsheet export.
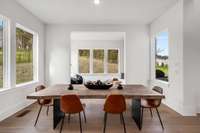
6	53
105	61
154	58
35	56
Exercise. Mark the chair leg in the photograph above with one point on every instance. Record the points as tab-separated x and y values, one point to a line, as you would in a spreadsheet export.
61	127
84	116
159	118
69	117
47	110
141	117
121	119
105	120
80	122
38	115
151	112
123	122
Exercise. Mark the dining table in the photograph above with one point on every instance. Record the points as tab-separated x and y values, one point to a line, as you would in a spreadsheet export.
130	91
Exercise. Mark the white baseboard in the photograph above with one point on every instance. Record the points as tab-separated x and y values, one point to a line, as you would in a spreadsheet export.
189	111
14	109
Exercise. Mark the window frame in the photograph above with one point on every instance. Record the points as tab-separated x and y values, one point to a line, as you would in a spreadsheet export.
79	58
154	57
119	61
91	70
92	60
35	55
6	53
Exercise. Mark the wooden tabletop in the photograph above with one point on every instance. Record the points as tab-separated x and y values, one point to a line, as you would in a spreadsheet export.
129	91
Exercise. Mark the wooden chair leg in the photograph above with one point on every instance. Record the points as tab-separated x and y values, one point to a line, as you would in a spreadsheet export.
69	117
47	110
84	115
121	119
159	118
80	122
61	127
38	115
151	112
105	120
123	122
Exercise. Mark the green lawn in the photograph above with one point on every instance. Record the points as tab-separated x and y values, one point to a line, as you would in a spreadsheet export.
24	68
164	69
98	65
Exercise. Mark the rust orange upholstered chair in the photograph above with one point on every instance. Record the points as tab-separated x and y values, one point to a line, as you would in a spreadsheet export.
71	104
42	102
115	104
84	106
152	103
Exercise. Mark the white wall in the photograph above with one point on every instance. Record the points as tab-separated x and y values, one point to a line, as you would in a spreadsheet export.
191	56
172	20
183	23
15	97
94	44
58	51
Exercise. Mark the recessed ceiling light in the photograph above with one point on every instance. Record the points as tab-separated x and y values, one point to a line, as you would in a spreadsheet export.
96	2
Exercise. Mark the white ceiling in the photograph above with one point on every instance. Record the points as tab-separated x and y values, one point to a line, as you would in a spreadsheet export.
97	35
108	12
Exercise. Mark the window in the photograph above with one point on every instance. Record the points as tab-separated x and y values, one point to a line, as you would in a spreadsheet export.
1	52
162	56
25	54
113	61
84	61
98	61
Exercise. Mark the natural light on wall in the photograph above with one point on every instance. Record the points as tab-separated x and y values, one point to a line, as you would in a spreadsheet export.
96	2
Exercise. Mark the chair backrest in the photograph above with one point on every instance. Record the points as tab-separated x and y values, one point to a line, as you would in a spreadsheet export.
39	88
157	102
115	104
70	104
158	89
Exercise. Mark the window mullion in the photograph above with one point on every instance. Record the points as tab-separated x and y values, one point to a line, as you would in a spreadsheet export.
91	61
7	52
106	61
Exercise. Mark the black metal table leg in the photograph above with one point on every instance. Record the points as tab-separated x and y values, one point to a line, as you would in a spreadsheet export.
136	112
57	113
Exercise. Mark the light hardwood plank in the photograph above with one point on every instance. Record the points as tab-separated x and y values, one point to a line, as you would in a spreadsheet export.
173	122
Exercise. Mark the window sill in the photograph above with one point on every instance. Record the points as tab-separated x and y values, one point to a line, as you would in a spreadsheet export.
101	74
160	82
27	83
2	90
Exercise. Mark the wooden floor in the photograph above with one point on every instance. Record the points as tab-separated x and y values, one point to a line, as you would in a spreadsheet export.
173	122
